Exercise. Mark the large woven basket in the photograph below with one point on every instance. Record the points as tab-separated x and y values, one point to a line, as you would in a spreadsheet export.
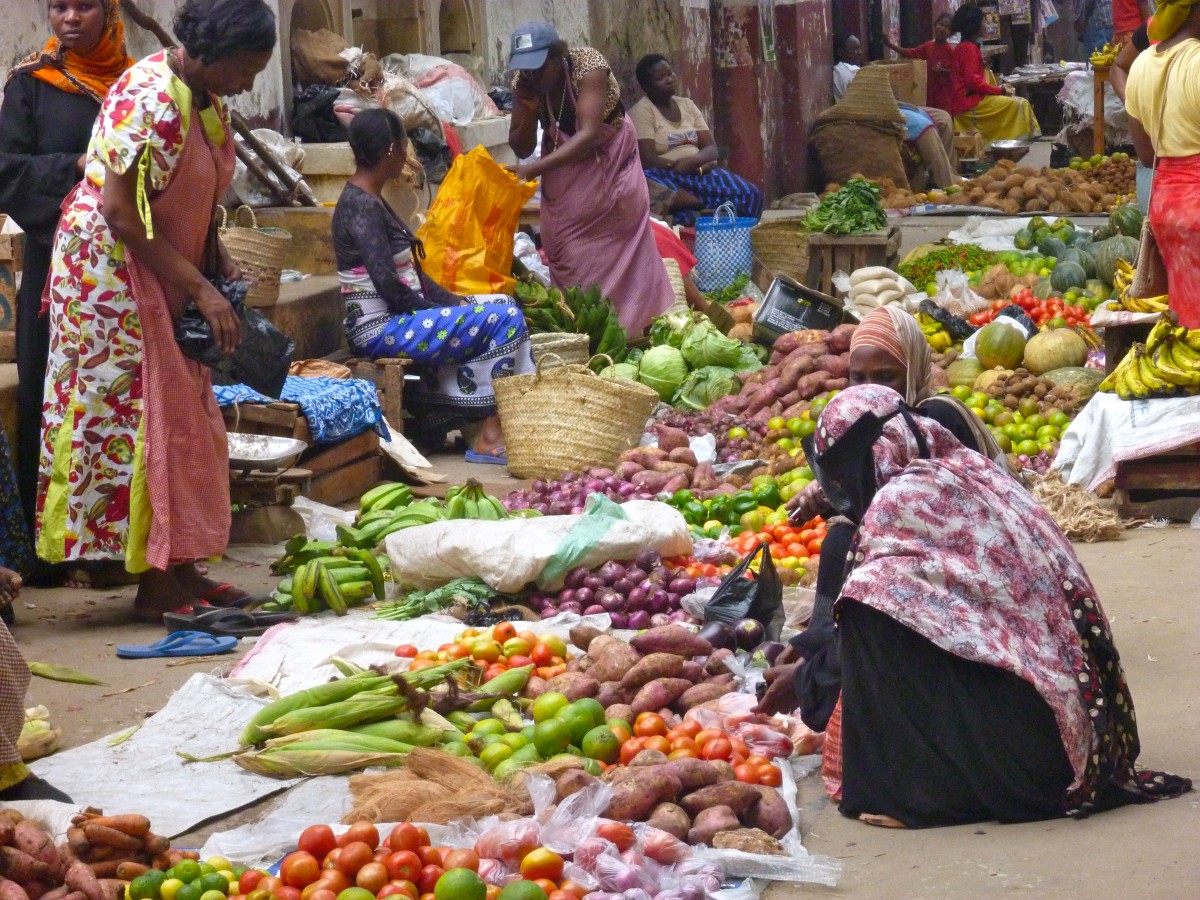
259	252
782	246
563	349
566	417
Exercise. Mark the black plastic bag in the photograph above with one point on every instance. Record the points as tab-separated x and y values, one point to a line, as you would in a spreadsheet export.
502	97
313	118
261	360
738	597
433	152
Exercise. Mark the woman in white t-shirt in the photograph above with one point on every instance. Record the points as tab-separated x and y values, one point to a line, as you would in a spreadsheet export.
678	151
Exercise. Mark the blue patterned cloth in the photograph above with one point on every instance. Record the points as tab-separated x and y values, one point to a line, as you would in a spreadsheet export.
336	408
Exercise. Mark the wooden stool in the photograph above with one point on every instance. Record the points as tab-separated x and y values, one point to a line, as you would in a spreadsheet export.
828	253
388	377
1165	486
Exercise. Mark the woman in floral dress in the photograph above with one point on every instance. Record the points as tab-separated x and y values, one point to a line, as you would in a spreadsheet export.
393	309
977	671
134	459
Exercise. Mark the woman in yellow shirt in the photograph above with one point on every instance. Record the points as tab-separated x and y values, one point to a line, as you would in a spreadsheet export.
678	151
1163	100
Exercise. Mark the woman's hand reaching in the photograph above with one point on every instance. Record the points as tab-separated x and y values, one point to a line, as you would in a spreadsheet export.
781	697
219	313
807	504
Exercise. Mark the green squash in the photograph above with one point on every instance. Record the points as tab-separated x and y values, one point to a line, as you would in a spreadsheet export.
1103	232
1127	220
1057	349
1052	246
1087	379
1097	288
998	344
963	372
1024	239
1068	274
1113	249
1083	258
1081	239
1037	223
1062	224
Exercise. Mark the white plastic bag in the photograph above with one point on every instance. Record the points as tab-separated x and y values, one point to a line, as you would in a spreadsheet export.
527	253
955	295
253	192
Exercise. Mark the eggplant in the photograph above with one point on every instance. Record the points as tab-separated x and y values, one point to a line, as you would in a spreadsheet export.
768	651
748	633
719	635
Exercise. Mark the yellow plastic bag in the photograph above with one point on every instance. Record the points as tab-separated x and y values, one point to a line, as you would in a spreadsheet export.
468	233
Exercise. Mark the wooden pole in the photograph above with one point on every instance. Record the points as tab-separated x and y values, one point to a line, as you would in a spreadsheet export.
292	185
1098	143
256	170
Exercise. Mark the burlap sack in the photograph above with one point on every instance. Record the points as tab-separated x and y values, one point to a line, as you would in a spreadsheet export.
315	57
850	148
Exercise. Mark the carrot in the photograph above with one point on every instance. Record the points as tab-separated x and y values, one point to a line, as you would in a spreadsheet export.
77	841
130	824
106	869
102	835
131	870
162	862
81	878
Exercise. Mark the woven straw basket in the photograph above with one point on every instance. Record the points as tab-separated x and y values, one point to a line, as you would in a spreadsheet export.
259	252
566	418
782	246
563	349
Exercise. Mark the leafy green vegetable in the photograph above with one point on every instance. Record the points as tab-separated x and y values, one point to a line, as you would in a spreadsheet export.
704	345
706	386
731	293
856	208
663	369
620	370
418	603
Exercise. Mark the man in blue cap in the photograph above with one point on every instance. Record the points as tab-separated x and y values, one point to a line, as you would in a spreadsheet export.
531	45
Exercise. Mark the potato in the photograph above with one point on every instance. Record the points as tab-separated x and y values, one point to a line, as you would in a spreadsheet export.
672	819
621	711
611	693
710	822
652	667
635	798
693	773
657	694
31	839
737	796
612	658
583	635
670	639
574	685
770	812
649	758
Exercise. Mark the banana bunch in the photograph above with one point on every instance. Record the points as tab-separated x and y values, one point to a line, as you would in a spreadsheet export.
335	582
938	338
372	527
596	317
471	502
1122	282
544	308
1168	364
387	496
1105	56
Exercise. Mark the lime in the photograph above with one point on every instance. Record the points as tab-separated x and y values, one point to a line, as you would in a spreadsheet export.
355	893
519	890
515	740
579	721
188	892
547	706
552	736
600	743
220	863
527	732
229	877
1027	448
457	748
168	889
214	881
144	887
212	895
186	870
592	767
206	869
590	705
489	726
460	884
495	754
528	753
619	723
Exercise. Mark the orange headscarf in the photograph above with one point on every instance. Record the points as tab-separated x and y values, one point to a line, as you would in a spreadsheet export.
90	75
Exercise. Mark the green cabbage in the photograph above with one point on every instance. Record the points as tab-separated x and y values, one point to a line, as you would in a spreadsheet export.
749	358
621	370
706	386
671	326
663	369
704	345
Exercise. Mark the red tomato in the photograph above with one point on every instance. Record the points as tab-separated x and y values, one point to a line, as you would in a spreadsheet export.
573	888
462	859
718	748
404	865
683	753
519	662
546	885
649	724
251	877
619	833
746	773
404	837
288	893
270	884
299	869
403	889
770	776
353	857
372	877
429	878
502	631
408	651
542	654
365	832
708	734
430	856
659	743
323	893
630	749
334	880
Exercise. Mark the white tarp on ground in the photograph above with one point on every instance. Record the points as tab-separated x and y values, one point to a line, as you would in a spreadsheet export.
1111	430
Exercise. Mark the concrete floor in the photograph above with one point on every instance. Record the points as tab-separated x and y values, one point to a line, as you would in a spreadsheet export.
1147	582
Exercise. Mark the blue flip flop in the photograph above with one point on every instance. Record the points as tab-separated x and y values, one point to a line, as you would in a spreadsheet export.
179	643
495	457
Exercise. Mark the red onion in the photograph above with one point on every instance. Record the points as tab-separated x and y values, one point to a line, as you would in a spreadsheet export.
660	574
575	577
539	487
595	582
584	596
659	619
571	607
594	610
647	587
611	571
595	486
612	601
619	620
647	559
549	612
659	602
639	620
635	574
623	586
636	599
682	585
543	508
566	595
680	616
626	490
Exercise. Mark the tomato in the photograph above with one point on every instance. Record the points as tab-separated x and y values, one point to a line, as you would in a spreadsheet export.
571	887
429	878
493	893
299	869
333	879
561	895
546	885
372	877
745	773
630	749
404	837
422	837
322	894
354	856
430	856
739	747
407	650
361	831
735	760
542	863
718	748
684	743
457	651
649	724
708	734
623	734
270	884
519	662
462	859
418	664
251	877
683	753
814	546
494	671
770	776
427	654
404	865
287	893
690	727
404	889
757	761
619	833
659	743
502	631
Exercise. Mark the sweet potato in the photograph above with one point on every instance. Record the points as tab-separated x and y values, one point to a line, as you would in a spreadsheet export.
75	895
651	481
670	438
704	477
657	694
113	888
670	818
613	658
710	822
683	455
534	688
836	366
693	773
672	468
572	781
715	665
719	686
36	890
29	838
572	685
693	672
770	812
611	692
622	711
651	667
80	878
581	636
57	893
786	343
792	371
735	794
7	830
766	373
649	758
635	798
839	338
16	865
837	384
671	639
812	384
10	890
627	469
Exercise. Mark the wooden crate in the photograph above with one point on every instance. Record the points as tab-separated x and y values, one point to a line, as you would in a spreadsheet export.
1165	486
830	253
388	377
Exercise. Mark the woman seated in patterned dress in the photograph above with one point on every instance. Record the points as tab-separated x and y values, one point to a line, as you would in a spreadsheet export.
393	309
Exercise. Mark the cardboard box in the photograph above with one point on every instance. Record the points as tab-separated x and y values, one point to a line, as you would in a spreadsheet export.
909	80
790	306
12	253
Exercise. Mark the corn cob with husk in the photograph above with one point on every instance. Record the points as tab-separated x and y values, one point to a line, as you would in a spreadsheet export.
357	710
263	725
323	751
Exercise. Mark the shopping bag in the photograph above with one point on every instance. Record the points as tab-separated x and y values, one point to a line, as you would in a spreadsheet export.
468	232
759	598
723	250
261	360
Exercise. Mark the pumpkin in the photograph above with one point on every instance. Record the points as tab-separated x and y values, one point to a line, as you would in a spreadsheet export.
1074	254
1127	220
1059	348
1000	345
1052	246
1086	379
1113	249
963	372
1068	274
1081	239
1104	232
